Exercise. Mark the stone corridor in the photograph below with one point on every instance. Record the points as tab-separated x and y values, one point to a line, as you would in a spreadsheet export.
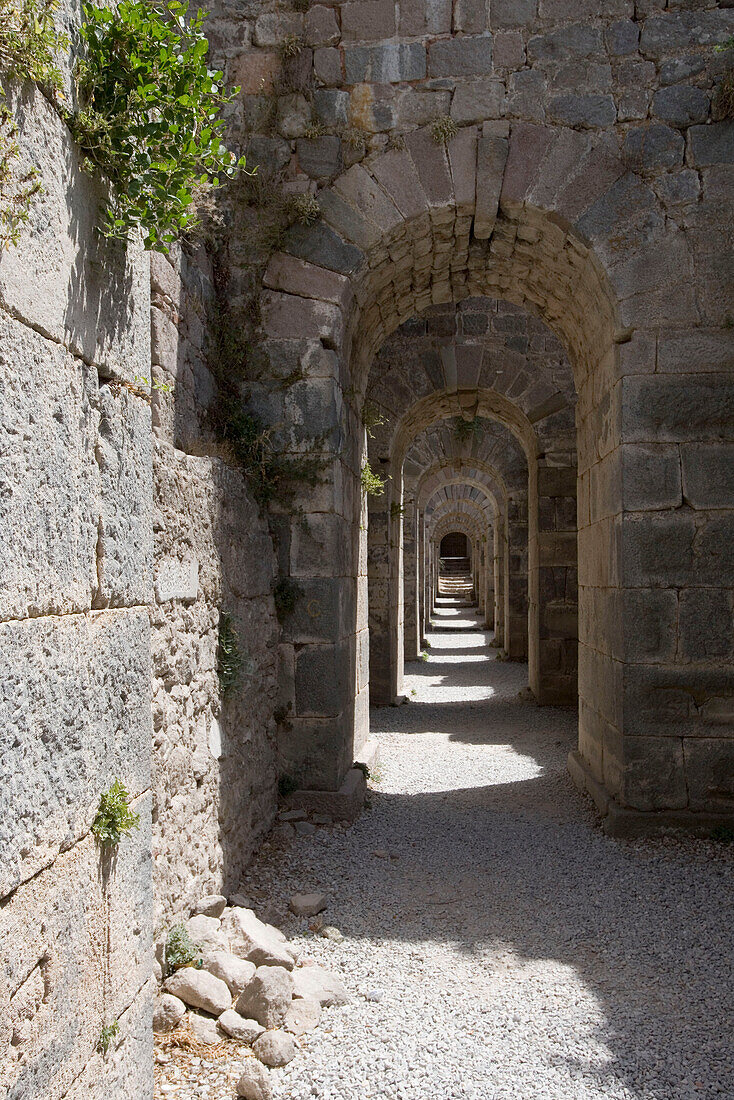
497	946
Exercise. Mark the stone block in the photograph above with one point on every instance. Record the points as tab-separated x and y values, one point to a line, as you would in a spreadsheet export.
320	27
492	156
318	546
654	776
651	477
709	766
49	477
470	16
367	20
64	279
714	549
125	533
526	93
509	50
431	164
327	65
273	26
657	549
424	17
713	144
681	105
373	109
254	71
673	33
676	408
622	37
397	175
653	148
568	43
462	150
708	474
528	146
459	58
321	245
331	106
294	276
419	107
288	317
75	713
650	624
321	674
478	100
513	13
176	580
706	624
589	111
389	63
364	194
293	116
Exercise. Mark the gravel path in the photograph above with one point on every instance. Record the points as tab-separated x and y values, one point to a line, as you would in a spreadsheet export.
497	944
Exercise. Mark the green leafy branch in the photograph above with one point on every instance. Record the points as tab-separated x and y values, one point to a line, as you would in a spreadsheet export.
149	116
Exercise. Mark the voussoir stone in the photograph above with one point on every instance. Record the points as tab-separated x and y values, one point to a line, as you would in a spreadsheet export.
268	996
275	1048
251	939
307	905
247	1031
211	906
236	972
254	1083
313	983
199	989
168	1013
302	1016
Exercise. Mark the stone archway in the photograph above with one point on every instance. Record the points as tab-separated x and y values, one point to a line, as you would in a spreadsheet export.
494	213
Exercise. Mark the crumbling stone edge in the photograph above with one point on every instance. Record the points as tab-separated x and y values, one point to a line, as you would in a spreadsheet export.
346	803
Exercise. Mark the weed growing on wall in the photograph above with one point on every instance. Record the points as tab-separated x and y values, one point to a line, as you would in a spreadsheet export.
372	484
30	43
443	130
181	949
106	1036
372	417
29	46
149	115
229	658
114	817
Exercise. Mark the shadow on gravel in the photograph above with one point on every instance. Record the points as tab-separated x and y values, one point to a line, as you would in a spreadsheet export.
520	866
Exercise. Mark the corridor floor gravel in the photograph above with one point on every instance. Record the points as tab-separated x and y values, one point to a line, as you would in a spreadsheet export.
496	944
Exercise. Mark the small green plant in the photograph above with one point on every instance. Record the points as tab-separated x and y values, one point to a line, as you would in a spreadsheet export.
443	130
372	484
114	817
315	130
291	45
162	387
354	138
287	785
149	115
465	430
424	655
413	692
372	417
16	191
362	767
229	658
304	208
727	44
106	1036
181	950
723	834
397	509
286	594
30	42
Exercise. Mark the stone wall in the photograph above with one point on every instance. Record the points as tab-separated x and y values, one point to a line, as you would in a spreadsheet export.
76	580
214	756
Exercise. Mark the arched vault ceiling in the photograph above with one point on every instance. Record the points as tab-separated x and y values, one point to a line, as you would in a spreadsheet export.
482	445
479	344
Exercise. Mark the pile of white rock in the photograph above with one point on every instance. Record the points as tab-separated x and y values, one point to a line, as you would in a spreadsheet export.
250	987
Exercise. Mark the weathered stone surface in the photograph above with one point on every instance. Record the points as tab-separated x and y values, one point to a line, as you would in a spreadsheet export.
236	972
582	110
367	20
313	983
246	1031
460	57
254	1083
320	26
267	997
204	1029
275	1048
168	1012
390	63
252	940
302	1016
49	419
492	154
478	100
712	144
681	105
199	989
207	932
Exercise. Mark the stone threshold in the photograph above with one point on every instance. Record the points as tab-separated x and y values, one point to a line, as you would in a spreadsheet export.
346	803
626	823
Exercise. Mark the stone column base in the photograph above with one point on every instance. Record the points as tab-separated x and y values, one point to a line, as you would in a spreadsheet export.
621	821
346	803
